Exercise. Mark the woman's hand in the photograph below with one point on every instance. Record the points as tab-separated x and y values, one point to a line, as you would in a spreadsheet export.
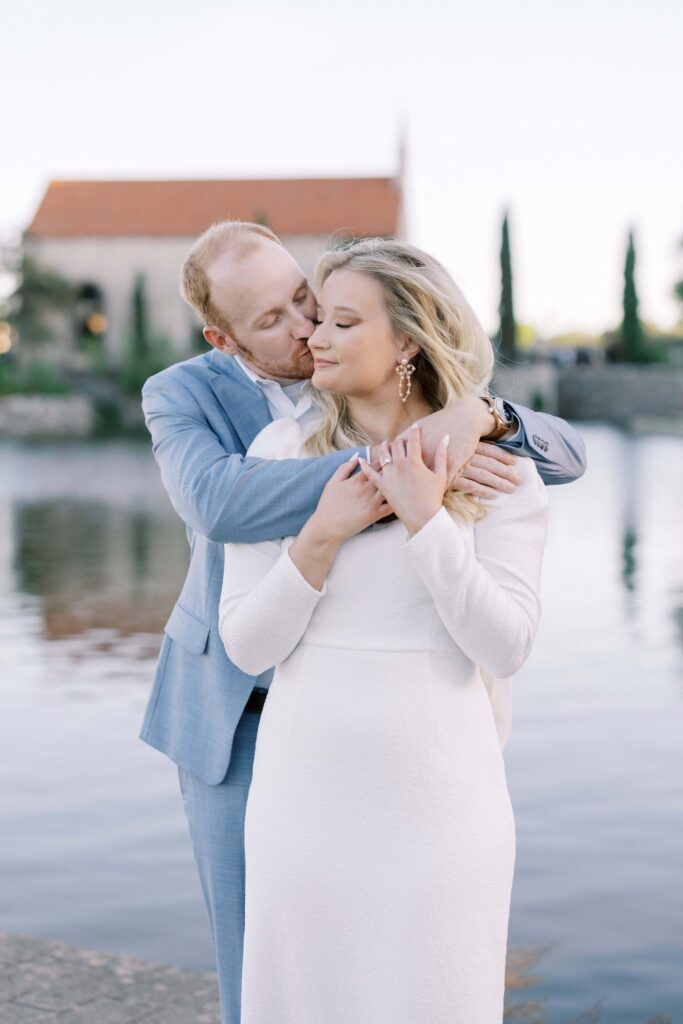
474	466
410	487
347	505
466	420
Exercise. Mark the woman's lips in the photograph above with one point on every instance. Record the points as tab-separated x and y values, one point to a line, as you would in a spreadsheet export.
323	362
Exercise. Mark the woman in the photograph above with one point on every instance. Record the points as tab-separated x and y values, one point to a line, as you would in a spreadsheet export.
379	833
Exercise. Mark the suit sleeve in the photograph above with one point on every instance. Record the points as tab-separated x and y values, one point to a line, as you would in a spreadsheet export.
487	593
222	494
557	449
265	607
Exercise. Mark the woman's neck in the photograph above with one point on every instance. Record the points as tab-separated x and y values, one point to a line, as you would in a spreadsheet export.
383	419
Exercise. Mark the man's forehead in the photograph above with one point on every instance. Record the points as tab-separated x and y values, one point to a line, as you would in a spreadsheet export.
257	281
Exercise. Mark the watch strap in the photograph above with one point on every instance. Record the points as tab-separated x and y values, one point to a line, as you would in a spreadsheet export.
501	426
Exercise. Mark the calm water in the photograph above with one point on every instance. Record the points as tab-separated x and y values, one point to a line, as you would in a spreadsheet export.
95	849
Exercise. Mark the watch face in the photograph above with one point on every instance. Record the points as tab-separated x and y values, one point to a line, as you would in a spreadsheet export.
502	411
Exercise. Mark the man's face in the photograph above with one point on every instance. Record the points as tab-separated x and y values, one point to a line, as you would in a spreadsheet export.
267	300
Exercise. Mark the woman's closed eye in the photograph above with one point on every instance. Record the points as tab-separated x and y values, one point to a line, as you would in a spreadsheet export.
319	322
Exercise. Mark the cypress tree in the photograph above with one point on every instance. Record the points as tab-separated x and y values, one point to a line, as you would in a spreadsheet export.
632	336
678	287
508	328
139	338
144	356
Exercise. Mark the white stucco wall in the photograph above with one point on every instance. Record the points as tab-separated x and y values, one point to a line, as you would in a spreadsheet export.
113	264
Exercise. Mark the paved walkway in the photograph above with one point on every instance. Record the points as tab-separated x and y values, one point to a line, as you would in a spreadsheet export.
44	981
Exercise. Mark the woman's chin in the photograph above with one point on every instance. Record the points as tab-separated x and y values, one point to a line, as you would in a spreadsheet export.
322	380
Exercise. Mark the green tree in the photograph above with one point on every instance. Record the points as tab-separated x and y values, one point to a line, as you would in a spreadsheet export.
507	351
148	352
38	293
678	287
632	337
139	335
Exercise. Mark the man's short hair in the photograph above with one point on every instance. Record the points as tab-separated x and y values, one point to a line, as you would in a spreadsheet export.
236	236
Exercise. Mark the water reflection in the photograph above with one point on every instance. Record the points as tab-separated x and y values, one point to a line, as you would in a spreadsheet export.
141	541
91	560
96	567
677	614
628	572
519	977
630	504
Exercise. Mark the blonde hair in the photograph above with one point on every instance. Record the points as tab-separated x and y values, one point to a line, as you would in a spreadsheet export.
424	303
236	236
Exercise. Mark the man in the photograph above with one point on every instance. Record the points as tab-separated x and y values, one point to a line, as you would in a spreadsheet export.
258	312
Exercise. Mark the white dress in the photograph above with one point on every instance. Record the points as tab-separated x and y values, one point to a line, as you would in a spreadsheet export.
379	833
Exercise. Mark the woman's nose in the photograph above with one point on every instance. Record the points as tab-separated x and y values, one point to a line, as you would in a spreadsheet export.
317	339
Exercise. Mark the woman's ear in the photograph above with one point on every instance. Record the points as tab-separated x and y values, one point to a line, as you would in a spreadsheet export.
407	347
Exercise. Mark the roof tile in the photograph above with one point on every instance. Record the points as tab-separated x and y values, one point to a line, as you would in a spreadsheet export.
305	206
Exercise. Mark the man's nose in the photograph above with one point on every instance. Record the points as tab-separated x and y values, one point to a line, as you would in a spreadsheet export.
317	339
303	327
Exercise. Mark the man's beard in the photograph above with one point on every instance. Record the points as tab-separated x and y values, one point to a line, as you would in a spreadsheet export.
293	371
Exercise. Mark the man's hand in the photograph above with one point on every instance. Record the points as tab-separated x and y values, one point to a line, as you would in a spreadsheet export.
488	472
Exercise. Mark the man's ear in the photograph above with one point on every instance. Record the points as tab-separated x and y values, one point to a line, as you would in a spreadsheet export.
219	339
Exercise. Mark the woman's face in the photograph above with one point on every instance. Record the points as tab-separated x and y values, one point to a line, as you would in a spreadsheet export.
354	349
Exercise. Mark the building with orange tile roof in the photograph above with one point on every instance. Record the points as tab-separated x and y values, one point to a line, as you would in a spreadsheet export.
103	234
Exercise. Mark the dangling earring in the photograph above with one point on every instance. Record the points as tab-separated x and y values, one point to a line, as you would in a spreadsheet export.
404	370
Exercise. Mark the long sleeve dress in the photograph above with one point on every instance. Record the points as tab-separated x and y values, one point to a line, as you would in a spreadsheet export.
379	833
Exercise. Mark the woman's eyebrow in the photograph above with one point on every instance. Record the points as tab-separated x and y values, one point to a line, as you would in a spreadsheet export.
346	309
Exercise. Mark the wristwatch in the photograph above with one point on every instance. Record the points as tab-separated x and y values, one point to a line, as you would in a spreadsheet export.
500	414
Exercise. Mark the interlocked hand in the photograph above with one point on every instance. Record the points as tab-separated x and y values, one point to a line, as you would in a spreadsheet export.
413	490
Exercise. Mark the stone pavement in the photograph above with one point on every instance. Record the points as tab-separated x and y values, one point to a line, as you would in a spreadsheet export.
41	982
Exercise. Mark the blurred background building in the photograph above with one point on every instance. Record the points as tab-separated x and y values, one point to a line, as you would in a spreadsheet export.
117	240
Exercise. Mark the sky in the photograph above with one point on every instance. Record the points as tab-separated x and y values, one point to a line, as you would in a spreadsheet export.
567	115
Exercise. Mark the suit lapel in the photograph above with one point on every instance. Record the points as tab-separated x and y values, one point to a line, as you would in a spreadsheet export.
242	400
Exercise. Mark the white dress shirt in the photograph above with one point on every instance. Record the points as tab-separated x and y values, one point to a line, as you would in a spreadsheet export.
288	400
292	400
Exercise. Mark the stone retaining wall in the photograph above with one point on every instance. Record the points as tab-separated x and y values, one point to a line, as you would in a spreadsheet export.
620	394
612	394
530	384
24	416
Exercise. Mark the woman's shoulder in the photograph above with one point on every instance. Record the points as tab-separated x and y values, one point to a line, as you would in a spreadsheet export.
282	439
530	494
525	468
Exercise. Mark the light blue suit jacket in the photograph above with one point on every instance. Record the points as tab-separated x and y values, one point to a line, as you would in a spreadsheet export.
203	414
